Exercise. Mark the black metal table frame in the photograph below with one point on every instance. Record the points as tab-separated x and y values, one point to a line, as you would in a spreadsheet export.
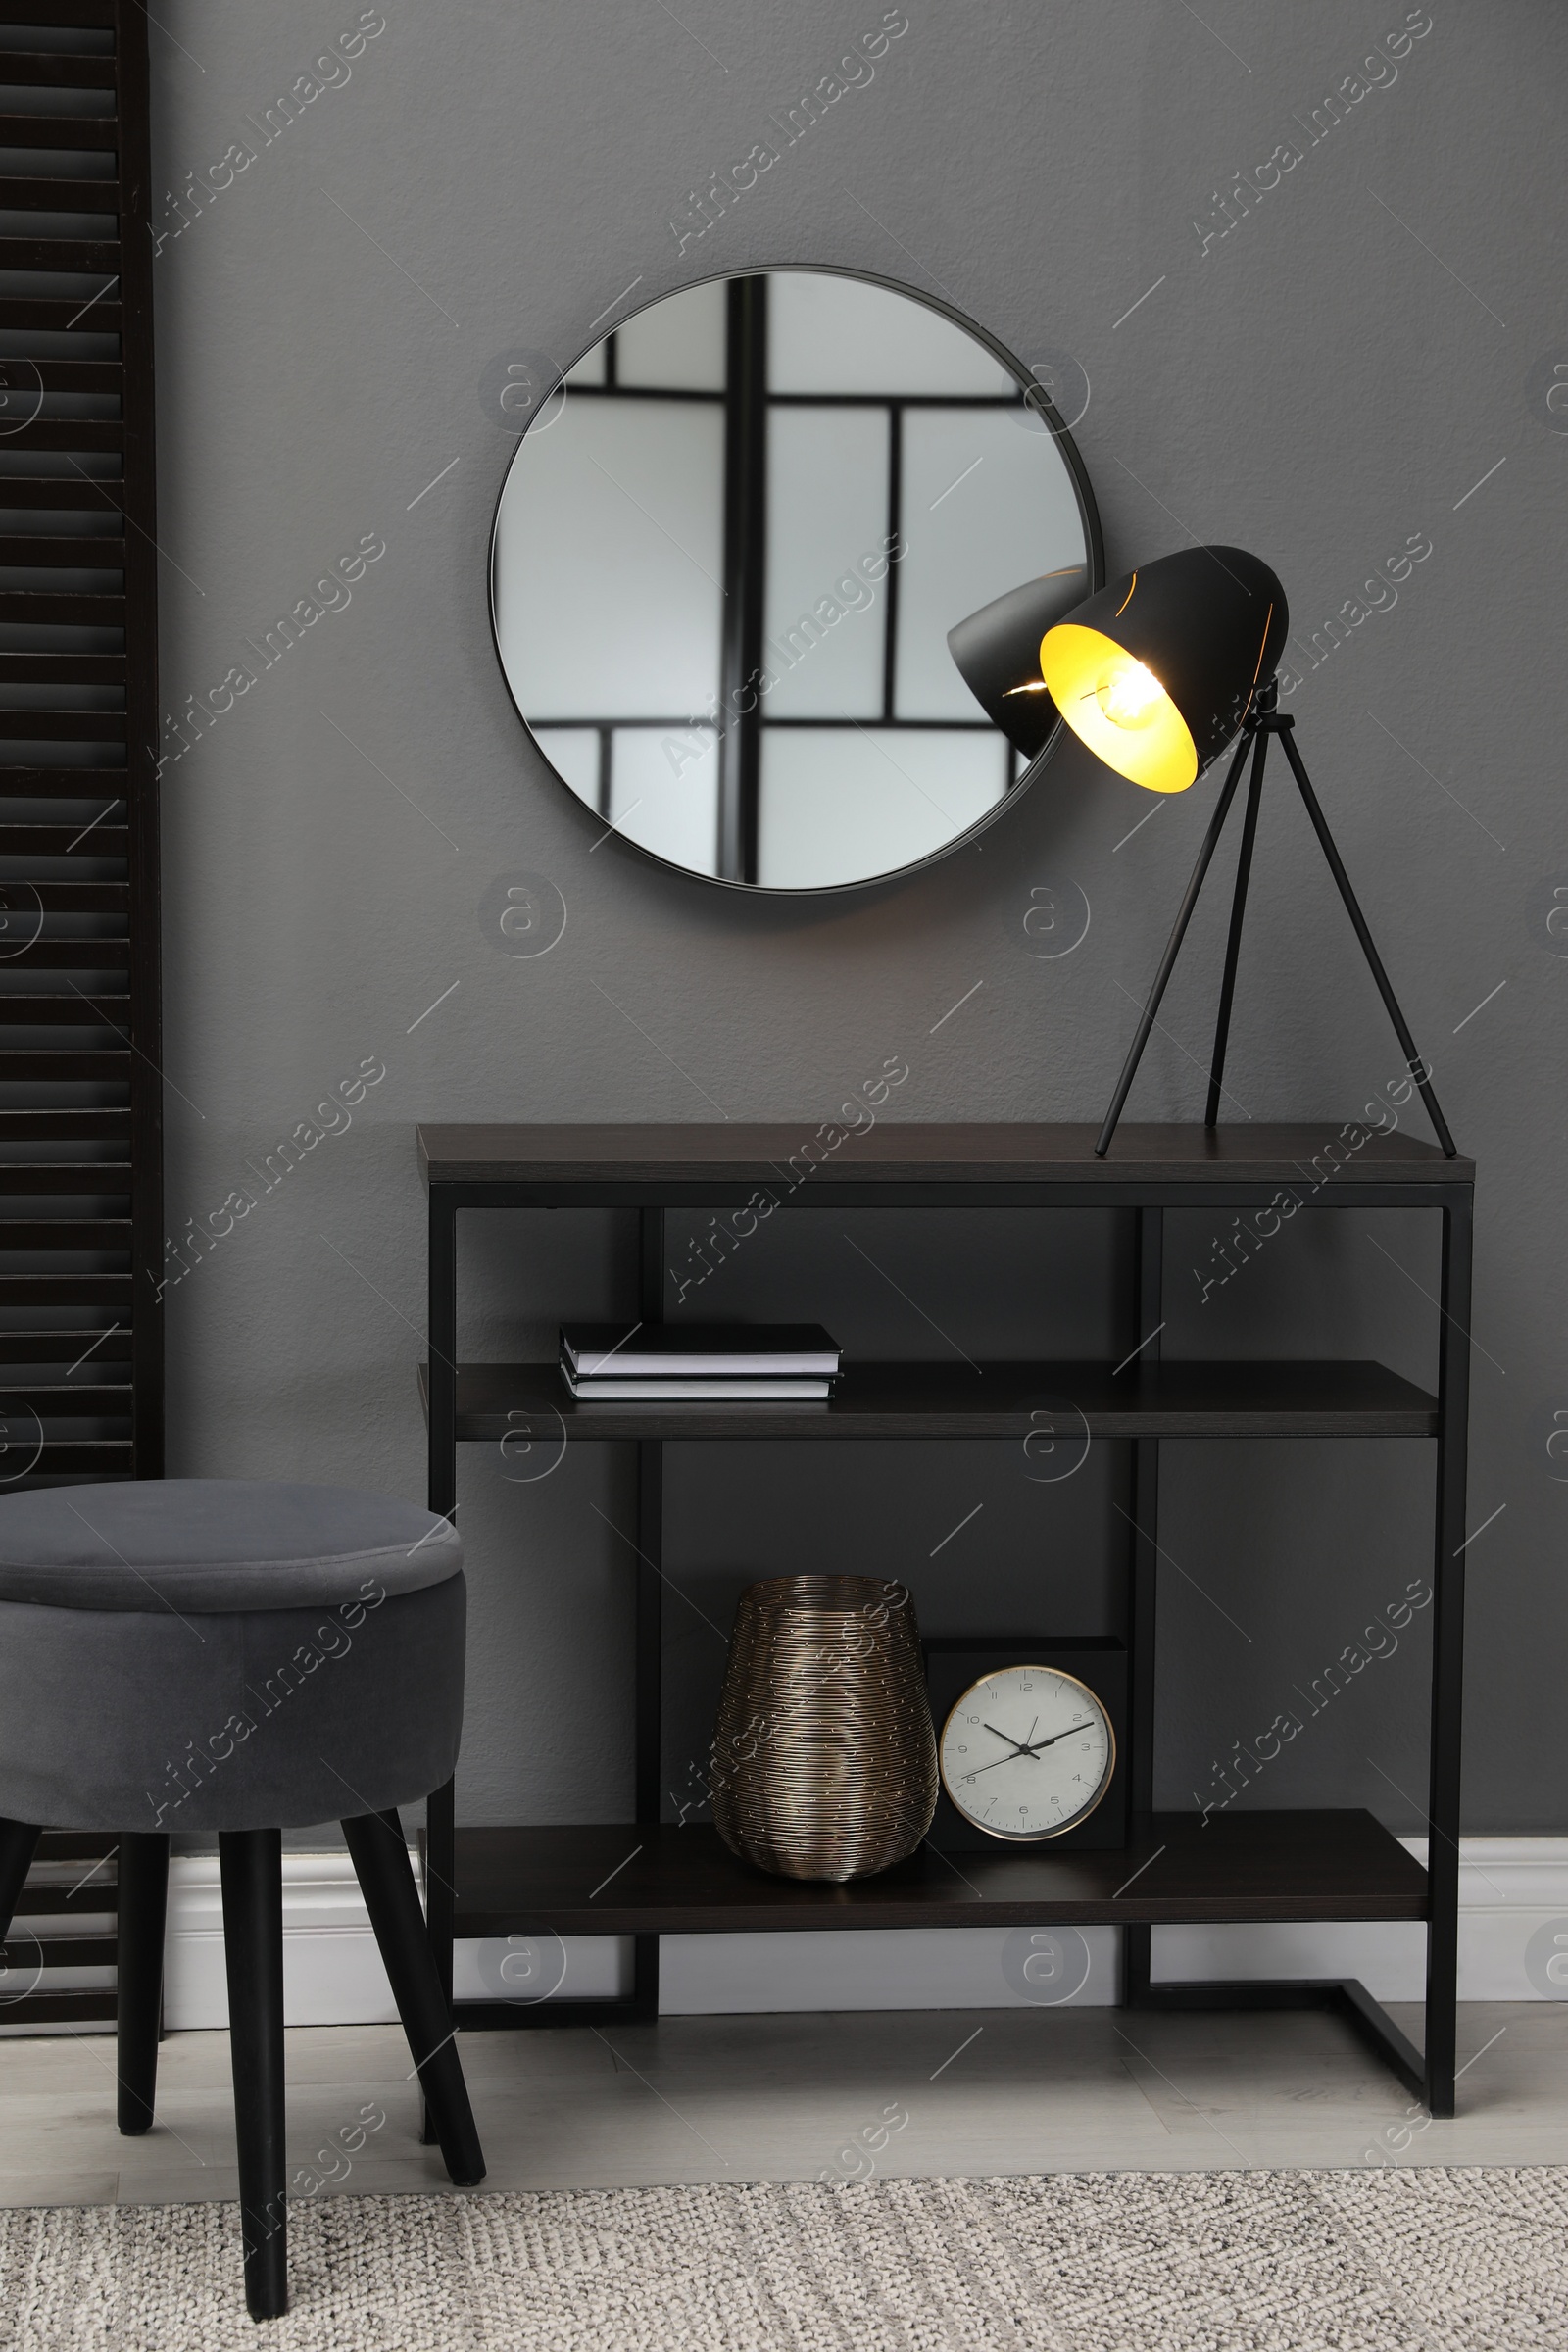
1430	2073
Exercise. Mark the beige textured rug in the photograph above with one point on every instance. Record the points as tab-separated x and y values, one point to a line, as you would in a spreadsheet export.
1396	2261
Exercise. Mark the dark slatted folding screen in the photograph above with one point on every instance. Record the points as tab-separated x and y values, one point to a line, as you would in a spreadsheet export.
80	1226
81	1122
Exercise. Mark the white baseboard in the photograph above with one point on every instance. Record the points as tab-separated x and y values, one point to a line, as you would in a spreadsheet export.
1510	1889
332	1973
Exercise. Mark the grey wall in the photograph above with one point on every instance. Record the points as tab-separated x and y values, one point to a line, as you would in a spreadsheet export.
1322	383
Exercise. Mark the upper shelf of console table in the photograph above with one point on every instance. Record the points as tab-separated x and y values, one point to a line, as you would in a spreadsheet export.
1323	1163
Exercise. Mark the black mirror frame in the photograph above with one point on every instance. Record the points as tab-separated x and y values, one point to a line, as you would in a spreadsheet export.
1088	515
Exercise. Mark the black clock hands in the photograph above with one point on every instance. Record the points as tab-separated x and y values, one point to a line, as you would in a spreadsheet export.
1012	1744
1033	1749
1021	1749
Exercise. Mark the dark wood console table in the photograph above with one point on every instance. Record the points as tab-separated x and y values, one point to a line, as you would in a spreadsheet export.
1248	1865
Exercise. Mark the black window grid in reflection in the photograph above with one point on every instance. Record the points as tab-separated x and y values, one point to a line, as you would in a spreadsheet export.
747	398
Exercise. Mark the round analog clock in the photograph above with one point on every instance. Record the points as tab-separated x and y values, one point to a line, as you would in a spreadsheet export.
1027	1752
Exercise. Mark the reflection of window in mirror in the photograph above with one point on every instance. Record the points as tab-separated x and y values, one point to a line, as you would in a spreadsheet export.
725	567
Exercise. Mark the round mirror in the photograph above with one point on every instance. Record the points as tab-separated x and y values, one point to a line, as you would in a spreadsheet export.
727	556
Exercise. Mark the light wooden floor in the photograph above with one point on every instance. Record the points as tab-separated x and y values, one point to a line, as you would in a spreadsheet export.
786	2099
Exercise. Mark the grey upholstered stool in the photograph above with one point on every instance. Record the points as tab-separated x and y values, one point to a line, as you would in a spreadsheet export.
201	1654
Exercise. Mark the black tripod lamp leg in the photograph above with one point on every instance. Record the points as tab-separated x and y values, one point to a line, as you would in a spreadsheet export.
1414	1062
1129	1070
1233	945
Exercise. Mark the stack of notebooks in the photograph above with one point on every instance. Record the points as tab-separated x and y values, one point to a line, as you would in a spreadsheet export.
710	1361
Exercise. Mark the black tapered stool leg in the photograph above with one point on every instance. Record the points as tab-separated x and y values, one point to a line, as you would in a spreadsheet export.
139	1999
251	1864
381	1860
18	1841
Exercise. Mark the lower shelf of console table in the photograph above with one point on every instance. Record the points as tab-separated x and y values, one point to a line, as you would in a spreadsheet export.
651	1878
638	1879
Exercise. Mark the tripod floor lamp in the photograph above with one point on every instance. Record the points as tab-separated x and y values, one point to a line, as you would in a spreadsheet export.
1157	674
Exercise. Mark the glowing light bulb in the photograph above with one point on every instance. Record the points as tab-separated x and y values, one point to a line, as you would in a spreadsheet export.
1129	694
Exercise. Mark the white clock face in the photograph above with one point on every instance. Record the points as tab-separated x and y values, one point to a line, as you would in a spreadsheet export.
1027	1752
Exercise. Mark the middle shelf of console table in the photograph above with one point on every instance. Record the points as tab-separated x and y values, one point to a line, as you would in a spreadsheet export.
498	1403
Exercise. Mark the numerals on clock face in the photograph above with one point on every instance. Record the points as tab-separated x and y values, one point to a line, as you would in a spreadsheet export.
1027	1752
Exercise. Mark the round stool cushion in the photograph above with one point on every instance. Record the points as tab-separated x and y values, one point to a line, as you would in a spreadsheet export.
199	1654
200	1544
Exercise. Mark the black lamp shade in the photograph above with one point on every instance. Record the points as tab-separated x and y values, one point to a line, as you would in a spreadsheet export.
1155	673
998	649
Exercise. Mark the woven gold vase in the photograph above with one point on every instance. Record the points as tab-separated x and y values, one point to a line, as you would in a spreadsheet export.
824	1763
